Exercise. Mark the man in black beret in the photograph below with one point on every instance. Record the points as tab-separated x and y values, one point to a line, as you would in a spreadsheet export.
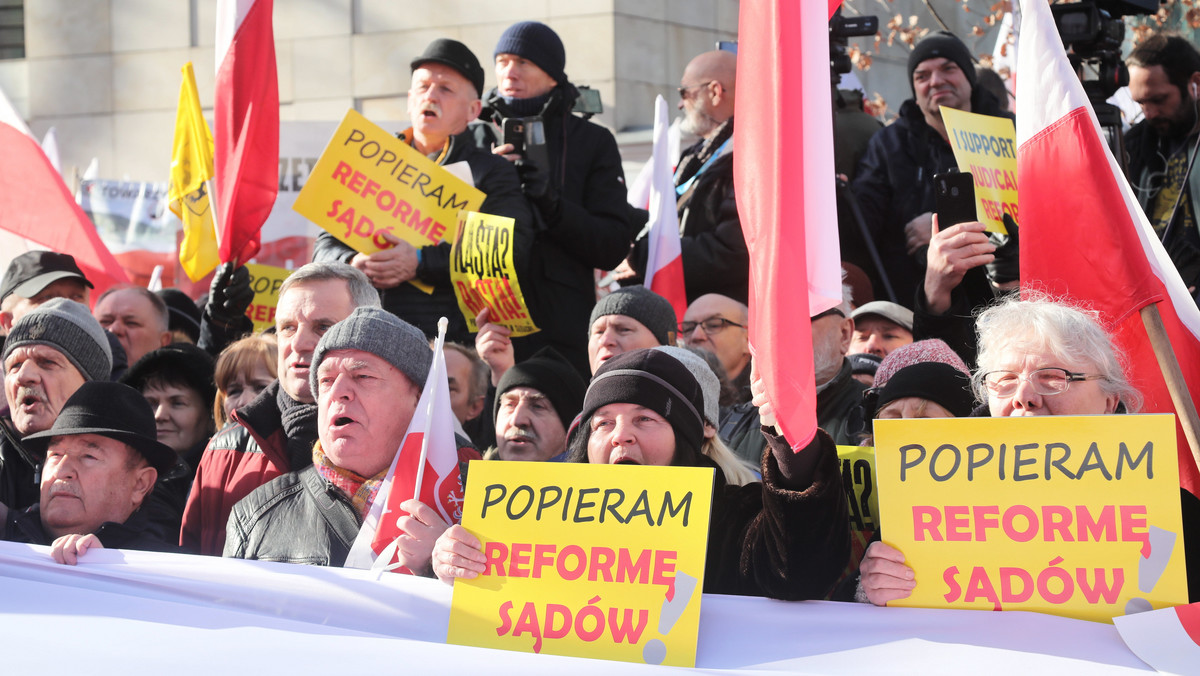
894	183
102	459
447	81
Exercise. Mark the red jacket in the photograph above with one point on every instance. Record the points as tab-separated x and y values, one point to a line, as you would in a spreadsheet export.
244	455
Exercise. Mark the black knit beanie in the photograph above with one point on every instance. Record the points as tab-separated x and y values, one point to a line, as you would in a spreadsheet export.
942	44
538	43
549	373
642	304
658	381
940	383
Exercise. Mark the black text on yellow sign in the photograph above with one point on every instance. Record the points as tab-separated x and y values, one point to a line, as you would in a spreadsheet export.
483	272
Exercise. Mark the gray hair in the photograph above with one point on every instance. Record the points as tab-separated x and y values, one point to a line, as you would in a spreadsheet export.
362	294
1066	331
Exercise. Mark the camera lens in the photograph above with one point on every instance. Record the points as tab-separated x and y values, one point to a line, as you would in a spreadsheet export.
954	191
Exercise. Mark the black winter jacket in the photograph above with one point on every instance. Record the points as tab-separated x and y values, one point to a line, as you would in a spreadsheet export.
894	184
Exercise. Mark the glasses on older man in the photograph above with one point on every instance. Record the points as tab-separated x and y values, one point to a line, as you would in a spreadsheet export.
711	325
683	91
1045	381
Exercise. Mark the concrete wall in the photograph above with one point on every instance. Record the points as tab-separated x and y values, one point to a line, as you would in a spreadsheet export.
106	73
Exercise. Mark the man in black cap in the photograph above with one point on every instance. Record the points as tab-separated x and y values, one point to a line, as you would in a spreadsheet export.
447	81
536	401
894	184
34	278
101	461
573	179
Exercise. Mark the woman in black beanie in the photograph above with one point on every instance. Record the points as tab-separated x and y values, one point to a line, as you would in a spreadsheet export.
787	537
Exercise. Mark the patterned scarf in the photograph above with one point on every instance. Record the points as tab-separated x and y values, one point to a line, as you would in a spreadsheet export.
361	491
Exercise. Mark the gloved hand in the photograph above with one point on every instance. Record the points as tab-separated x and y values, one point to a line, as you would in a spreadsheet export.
230	294
537	186
1007	265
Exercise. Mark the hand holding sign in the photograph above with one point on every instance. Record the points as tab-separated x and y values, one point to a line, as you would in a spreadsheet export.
494	345
390	267
457	553
883	576
952	252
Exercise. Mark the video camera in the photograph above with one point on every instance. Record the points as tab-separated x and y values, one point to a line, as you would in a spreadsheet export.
840	30
1093	30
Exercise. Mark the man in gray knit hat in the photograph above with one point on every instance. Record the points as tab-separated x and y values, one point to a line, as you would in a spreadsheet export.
367	374
48	354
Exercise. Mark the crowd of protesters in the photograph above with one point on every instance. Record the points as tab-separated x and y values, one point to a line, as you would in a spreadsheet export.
152	422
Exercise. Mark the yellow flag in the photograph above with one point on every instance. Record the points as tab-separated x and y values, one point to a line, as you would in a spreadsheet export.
191	168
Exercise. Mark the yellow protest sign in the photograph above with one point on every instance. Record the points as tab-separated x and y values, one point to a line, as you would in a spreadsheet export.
368	182
1076	516
986	146
484	275
858	478
601	561
265	280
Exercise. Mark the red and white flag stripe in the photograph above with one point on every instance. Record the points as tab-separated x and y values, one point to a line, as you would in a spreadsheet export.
1083	234
664	265
245	126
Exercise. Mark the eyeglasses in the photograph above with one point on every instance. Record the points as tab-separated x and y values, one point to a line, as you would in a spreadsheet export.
711	325
1046	381
683	91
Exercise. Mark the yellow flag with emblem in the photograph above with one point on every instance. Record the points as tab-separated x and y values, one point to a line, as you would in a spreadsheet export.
191	169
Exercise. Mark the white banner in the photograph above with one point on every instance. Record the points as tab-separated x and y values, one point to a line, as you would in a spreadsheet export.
127	612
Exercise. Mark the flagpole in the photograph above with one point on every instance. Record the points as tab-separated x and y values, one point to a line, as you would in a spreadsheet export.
212	209
1173	375
443	324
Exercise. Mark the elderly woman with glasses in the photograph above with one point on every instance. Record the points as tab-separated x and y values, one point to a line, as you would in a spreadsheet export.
1036	357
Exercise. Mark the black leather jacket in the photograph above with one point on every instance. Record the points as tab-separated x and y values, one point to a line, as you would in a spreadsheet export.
295	518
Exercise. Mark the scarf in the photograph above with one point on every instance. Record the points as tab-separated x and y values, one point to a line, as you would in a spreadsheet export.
360	490
299	426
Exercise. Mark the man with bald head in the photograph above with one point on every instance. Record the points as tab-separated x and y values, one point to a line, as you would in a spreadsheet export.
715	259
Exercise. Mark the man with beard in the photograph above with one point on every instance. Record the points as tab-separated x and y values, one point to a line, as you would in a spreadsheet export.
1164	77
715	258
838	393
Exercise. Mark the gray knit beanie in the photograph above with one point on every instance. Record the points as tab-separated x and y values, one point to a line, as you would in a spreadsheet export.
68	327
383	334
642	304
710	385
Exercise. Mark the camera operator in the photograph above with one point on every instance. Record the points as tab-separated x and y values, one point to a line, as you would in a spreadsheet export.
571	173
1164	77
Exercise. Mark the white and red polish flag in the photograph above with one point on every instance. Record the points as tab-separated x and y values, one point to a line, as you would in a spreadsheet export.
784	176
1083	234
37	208
245	126
428	456
664	264
1167	639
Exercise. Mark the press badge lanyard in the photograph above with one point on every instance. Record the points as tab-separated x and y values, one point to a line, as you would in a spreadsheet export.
683	187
